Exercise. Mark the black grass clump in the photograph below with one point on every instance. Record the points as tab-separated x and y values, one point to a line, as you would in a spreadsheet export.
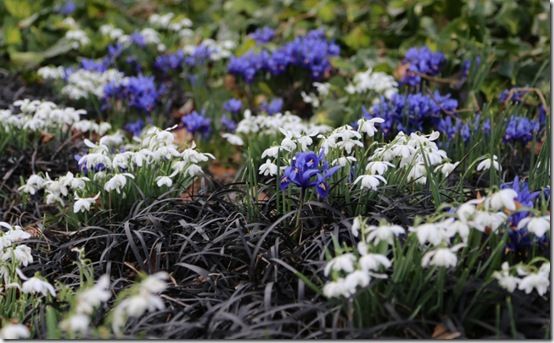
237	278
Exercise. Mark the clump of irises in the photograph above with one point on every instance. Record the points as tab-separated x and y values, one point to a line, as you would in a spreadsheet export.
411	112
196	123
307	170
311	52
521	129
139	92
263	35
421	61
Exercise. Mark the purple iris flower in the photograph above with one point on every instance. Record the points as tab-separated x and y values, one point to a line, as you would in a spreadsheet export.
307	170
229	124
67	8
170	63
421	61
197	123
232	106
263	35
274	106
135	127
521	129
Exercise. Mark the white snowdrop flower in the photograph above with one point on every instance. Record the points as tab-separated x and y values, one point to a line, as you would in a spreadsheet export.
322	88
78	38
379	82
378	167
84	204
112	140
483	220
505	280
155	283
537	225
357	224
488	162
539	281
194	170
305	142
343	160
343	262
370	181
271	152
233	139
446	168
461	228
335	289
164	181
346	139
90	161
368	126
14	331
430	232
373	262
288	143
441	257
358	278
268	168
52	199
504	198
34	184
121	161
310	98
117	182
51	73
76	323
145	300
93	296
383	233
78	182
15	234
20	253
467	210
35	285
418	173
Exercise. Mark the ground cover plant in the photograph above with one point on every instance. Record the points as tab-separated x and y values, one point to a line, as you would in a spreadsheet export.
275	169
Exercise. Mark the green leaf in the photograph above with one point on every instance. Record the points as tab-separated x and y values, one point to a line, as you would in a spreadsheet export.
12	35
18	8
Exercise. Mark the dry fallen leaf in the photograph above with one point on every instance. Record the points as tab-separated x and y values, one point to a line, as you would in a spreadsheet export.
441	332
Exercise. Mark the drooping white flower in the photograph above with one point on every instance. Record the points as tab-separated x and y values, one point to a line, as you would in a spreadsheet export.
343	160
21	253
378	167
370	181
268	168
343	262
383	233
36	285
144	300
441	257
488	162
446	168
539	281
84	204
335	289
34	184
117	182
504	198
537	225
93	296
271	152
357	225
233	139
368	126
76	323
373	262
164	181
430	232
14	331
505	280
358	278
